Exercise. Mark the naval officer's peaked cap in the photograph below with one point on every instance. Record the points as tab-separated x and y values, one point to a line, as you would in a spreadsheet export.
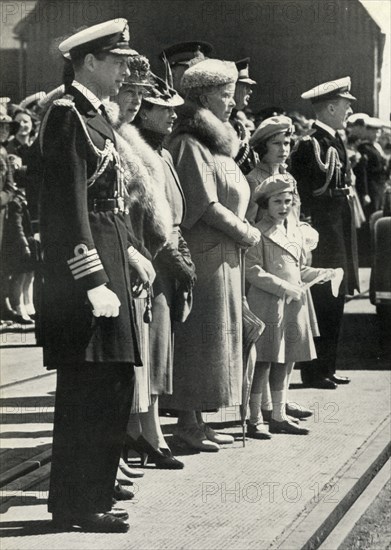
330	90
111	37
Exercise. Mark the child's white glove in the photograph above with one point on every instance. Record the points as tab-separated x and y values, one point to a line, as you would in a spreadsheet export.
293	292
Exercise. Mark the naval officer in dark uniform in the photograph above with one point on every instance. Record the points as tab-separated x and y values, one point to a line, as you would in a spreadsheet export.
321	167
246	157
88	327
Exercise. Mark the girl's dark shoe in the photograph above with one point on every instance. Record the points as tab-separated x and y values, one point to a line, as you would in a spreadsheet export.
258	431
286	427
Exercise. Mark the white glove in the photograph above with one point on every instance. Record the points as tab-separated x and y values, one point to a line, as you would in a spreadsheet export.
253	236
327	274
104	302
142	265
293	292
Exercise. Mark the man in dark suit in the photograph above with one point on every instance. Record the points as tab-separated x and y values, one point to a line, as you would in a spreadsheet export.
88	329
321	167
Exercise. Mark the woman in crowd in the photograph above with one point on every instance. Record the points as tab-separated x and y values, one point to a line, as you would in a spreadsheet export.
275	269
7	193
208	347
156	205
20	258
272	142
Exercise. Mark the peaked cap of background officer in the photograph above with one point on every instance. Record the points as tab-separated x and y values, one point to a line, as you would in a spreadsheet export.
187	53
334	89
110	37
243	66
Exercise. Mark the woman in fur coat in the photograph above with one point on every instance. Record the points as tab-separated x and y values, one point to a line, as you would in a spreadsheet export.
208	347
156	205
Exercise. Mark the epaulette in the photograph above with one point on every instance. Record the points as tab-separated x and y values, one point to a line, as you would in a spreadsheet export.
66	101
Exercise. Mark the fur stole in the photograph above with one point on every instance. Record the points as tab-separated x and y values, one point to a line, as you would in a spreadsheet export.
219	137
143	177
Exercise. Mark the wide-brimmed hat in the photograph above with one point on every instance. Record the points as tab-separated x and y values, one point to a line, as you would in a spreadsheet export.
110	36
32	101
334	89
271	126
162	94
211	72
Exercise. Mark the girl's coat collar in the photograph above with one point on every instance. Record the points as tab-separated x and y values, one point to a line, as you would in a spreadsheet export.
292	241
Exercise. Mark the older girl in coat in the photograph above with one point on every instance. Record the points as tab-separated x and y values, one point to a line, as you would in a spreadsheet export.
208	347
275	269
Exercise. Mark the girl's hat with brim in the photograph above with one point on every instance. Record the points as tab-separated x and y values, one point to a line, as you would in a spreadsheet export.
274	185
211	72
162	94
269	127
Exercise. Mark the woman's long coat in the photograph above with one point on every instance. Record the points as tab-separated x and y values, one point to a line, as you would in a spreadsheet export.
208	346
279	259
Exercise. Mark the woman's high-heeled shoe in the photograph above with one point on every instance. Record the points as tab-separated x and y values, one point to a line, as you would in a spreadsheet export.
162	458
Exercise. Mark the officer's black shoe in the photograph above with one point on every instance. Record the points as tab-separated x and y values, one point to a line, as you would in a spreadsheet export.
120	493
92	523
340	379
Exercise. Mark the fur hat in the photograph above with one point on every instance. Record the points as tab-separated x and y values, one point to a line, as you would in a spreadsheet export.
211	72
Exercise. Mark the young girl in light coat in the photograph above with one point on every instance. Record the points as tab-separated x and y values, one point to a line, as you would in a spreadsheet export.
276	269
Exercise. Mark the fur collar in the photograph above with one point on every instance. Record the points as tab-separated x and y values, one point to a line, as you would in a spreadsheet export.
219	137
143	176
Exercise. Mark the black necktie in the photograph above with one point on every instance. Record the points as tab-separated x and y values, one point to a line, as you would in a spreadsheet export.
103	112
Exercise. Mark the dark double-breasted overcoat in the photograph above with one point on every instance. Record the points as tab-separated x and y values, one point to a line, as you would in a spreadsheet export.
85	233
321	167
83	247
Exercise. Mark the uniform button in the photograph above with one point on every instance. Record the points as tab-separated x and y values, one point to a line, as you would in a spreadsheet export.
279	266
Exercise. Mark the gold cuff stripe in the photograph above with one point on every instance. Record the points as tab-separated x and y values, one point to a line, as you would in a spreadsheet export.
80	257
86	266
88	272
84	262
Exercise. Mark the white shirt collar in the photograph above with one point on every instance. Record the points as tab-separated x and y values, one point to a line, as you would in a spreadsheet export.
326	127
95	102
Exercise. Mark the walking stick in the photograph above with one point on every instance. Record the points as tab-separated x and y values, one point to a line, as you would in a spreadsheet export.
252	330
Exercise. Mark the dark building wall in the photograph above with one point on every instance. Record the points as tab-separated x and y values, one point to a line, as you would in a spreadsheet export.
293	45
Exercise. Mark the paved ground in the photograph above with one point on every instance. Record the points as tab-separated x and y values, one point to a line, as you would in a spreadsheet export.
240	498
